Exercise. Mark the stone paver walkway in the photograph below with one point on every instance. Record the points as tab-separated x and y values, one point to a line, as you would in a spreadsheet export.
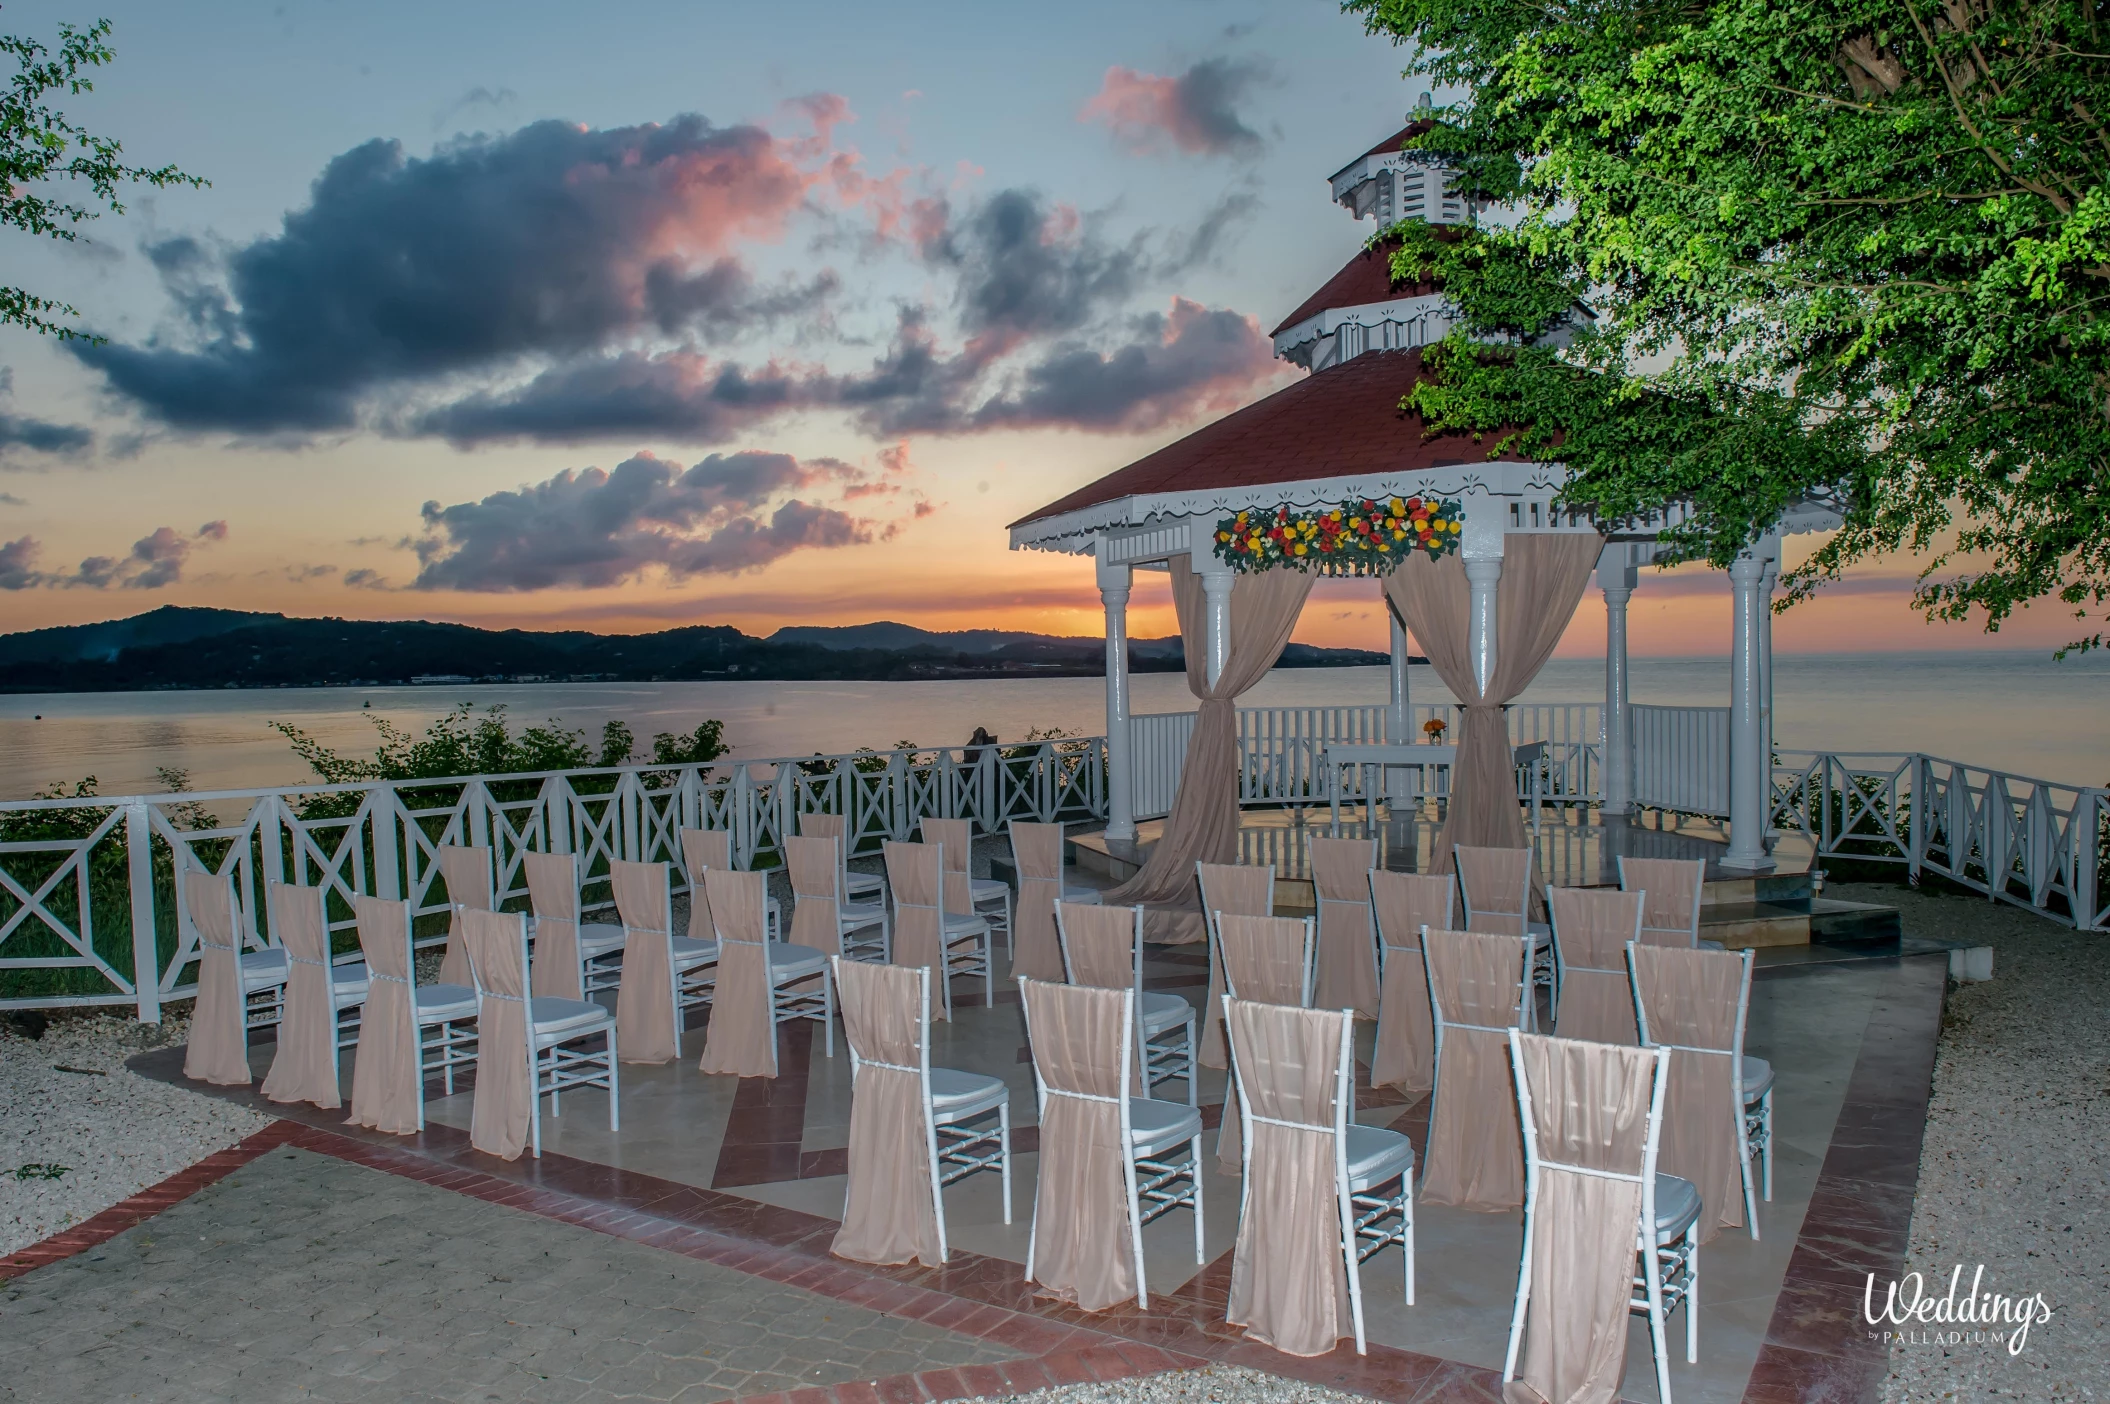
301	1276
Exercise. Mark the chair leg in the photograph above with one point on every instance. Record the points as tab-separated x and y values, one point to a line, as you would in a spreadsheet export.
828	1023
1765	1152
1406	1214
1743	1165
1652	1272
1523	1298
1003	1130
1692	1300
614	1104
1194	1149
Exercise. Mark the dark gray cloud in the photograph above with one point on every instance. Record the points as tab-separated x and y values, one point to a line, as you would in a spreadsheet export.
1025	268
675	394
20	433
8	499
18	564
549	241
593	528
1196	112
155	561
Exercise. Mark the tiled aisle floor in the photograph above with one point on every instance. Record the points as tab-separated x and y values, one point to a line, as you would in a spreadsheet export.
760	1163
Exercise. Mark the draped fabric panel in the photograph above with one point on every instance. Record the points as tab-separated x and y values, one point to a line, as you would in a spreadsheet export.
304	1069
1082	1235
1037	850
387	1066
219	1025
1476	1146
467	872
742	1040
1402	904
553	889
1347	959
1497	883
1289	1277
644	998
890	1206
1100	942
913	875
1671	888
1226	887
1543	578
1203	824
1589	1108
1690	999
1263	962
505	1087
701	851
815	866
1591	926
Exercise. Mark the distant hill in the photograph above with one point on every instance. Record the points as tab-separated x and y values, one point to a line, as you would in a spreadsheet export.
198	648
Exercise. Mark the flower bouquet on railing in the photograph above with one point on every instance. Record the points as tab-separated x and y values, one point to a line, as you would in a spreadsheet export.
1434	728
1359	537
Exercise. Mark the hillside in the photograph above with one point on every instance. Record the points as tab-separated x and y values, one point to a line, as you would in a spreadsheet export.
197	648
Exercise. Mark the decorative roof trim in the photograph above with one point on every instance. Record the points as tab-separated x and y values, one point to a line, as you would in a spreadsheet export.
1328	320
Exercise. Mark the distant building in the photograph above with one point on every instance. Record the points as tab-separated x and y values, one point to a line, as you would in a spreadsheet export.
422	678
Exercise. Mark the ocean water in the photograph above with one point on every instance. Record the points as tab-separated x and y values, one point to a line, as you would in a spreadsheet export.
2017	711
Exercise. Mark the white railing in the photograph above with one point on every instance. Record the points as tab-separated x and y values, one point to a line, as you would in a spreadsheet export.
2036	843
1282	749
1681	758
91	891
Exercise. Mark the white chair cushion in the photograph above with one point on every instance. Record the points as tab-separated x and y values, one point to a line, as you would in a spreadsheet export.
1376	1155
864	882
856	914
958	924
599	939
988	889
1707	945
553	1016
1154	1125
1677	1205
349	983
1758	1078
1082	896
789	962
956	1095
437	1002
265	968
690	954
1160	1011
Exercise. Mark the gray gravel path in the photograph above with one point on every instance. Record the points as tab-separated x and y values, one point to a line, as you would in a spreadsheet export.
1212	1384
2015	1172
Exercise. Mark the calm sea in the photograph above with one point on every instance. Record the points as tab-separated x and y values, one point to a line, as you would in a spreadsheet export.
2018	711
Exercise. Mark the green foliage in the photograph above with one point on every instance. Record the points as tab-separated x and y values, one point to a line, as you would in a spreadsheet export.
705	744
460	743
39	146
1827	245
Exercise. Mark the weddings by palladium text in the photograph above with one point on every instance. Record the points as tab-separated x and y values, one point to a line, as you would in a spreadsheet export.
1995	1318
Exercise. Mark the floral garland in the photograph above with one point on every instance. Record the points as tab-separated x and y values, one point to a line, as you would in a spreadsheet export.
1355	538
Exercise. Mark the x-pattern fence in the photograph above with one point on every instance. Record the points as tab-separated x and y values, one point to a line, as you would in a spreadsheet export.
91	891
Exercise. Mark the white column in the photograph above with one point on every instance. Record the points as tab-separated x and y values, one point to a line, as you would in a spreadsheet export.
1399	710
1765	651
1616	578
1217	580
1114	584
1748	758
1483	575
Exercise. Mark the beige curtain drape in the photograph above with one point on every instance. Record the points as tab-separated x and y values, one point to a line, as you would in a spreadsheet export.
1263	962
1672	888
742	1040
890	1208
1592	926
1543	578
219	1025
1347	960
1403	903
553	889
304	1069
388	1064
1203	824
1691	999
701	851
644	996
1038	851
1082	1238
466	870
1476	1146
815	866
1289	1278
1226	887
913	875
1100	942
1589	1109
505	1088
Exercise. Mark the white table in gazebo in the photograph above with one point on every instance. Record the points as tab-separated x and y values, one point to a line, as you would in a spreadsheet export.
1420	759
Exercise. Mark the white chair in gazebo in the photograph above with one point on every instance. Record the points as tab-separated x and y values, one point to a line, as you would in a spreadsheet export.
988	898
443	1017
1673	892
1103	946
550	1030
1496	886
929	893
645	899
554	887
815	867
857	887
799	985
706	849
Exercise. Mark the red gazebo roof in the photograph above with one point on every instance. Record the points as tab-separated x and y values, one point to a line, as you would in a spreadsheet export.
1365	278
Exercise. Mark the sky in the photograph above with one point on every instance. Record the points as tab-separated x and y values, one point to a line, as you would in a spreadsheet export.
655	314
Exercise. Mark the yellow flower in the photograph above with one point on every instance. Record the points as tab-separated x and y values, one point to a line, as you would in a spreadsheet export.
1452	527
1398	535
1355	523
1398	507
1223	536
1302	548
1254	542
1436	523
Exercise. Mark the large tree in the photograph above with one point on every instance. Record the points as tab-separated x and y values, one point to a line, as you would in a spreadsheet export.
41	150
1853	245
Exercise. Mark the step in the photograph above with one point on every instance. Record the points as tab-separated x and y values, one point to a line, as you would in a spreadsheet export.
1738	925
1850	923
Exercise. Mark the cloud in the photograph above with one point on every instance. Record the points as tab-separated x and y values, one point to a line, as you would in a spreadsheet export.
155	561
478	96
592	528
8	499
302	574
1195	112
364	579
553	240
39	436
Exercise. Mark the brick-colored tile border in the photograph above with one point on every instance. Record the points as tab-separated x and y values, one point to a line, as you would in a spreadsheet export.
137	1209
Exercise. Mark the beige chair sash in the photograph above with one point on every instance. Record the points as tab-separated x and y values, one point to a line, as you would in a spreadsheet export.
1262	959
219	1025
701	851
1403	903
890	1209
1243	890
304	1069
1592	926
644	997
1082	1233
815	866
1037	850
467	872
1347	956
1476	991
505	1089
1690	1000
913	876
388	1065
553	888
742	1040
1496	885
1671	890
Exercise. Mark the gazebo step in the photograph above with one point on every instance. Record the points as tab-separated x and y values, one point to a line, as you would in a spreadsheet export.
1741	924
1848	923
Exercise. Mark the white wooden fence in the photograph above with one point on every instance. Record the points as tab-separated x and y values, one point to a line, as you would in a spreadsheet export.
91	891
1681	758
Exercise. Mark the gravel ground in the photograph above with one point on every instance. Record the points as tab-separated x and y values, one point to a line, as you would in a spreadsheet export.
113	1132
1212	1384
2015	1173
